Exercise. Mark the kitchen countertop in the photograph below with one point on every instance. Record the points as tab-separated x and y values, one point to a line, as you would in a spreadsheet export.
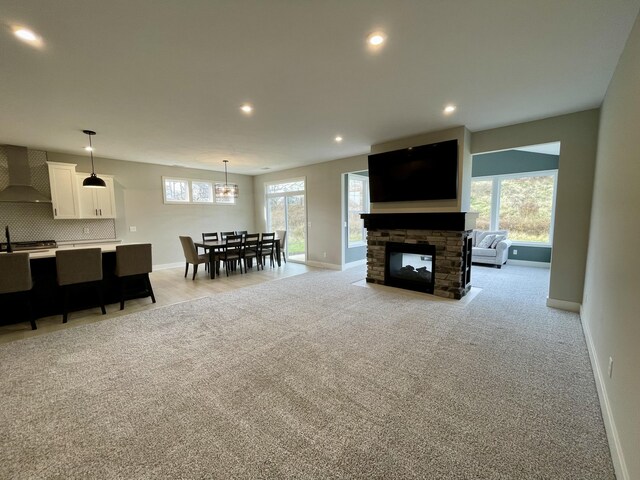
51	252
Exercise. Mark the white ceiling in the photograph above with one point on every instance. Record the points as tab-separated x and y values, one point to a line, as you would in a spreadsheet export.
162	81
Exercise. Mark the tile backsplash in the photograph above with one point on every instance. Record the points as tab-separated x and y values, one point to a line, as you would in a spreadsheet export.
34	221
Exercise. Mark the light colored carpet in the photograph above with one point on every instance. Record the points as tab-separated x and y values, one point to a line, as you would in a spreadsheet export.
311	377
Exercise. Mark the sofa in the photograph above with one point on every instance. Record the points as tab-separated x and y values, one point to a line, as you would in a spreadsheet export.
490	247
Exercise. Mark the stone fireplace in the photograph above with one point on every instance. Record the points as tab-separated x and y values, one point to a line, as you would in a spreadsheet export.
428	252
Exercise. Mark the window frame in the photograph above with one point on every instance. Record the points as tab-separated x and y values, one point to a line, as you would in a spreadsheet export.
190	200
367	205
494	213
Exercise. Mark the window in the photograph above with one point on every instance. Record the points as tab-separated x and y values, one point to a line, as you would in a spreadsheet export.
202	192
190	191
481	192
176	190
357	203
286	210
523	204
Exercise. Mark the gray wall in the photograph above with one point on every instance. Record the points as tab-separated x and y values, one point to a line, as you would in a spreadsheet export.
324	205
139	203
578	134
610	306
512	161
517	161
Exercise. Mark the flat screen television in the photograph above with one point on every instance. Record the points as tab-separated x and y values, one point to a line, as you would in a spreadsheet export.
427	172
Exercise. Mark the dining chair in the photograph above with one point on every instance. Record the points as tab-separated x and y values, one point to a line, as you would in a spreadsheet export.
133	262
251	250
282	238
267	245
224	235
208	237
75	268
15	279
191	256
241	232
232	253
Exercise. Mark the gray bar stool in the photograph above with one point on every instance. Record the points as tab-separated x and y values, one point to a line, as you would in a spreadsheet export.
15	278
134	261
76	267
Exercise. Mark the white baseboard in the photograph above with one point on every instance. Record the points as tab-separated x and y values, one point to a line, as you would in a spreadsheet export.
330	266
563	305
617	455
527	263
165	266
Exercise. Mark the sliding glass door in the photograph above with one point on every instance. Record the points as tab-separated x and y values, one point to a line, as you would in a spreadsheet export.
286	210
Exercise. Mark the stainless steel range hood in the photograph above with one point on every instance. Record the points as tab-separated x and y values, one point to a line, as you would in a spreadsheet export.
20	189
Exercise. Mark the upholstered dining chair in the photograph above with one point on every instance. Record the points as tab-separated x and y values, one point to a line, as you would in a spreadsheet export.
134	262
15	278
79	267
282	238
191	256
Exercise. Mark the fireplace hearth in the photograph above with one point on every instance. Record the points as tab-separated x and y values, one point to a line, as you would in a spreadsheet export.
426	252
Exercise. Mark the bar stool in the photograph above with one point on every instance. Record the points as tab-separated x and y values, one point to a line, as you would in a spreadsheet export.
15	278
134	261
79	267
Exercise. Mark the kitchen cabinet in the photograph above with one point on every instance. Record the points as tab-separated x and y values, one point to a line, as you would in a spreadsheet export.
64	190
96	202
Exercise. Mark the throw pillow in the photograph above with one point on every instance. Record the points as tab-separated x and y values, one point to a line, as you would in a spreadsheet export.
486	241
497	240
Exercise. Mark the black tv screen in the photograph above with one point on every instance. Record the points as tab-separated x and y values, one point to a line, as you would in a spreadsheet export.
428	172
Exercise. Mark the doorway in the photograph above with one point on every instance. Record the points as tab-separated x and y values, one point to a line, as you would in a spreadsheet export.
287	210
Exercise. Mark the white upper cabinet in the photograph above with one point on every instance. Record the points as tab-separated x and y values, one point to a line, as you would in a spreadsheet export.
97	202
71	200
64	190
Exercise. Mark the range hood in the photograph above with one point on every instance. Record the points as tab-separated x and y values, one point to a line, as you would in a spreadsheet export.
20	189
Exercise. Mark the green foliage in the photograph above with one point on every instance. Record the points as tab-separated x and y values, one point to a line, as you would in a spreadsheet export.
525	206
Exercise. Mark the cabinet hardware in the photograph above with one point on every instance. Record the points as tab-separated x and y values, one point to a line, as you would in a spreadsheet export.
55	212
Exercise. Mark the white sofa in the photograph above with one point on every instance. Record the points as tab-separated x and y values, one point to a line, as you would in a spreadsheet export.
495	254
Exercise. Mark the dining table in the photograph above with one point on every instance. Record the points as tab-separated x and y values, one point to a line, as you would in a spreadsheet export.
214	247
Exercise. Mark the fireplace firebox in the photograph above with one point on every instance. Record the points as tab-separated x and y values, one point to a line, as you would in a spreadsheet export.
410	266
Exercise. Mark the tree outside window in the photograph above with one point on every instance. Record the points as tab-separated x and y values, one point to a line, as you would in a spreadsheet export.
523	204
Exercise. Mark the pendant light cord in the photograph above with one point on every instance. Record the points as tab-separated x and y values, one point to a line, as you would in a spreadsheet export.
93	170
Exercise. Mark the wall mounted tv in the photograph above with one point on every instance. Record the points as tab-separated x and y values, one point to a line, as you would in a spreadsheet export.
428	172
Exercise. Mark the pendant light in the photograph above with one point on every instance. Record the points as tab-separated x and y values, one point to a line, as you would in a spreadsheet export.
227	190
92	181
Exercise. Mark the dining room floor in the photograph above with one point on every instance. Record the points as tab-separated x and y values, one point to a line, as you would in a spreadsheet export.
169	285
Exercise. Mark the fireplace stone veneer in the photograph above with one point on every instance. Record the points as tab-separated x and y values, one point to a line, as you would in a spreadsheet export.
445	232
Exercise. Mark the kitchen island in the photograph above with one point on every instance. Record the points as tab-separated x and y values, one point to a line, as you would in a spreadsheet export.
47	295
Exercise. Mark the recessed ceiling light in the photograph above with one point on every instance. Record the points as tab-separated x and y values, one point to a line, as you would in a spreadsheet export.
246	108
376	39
25	34
449	109
338	138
